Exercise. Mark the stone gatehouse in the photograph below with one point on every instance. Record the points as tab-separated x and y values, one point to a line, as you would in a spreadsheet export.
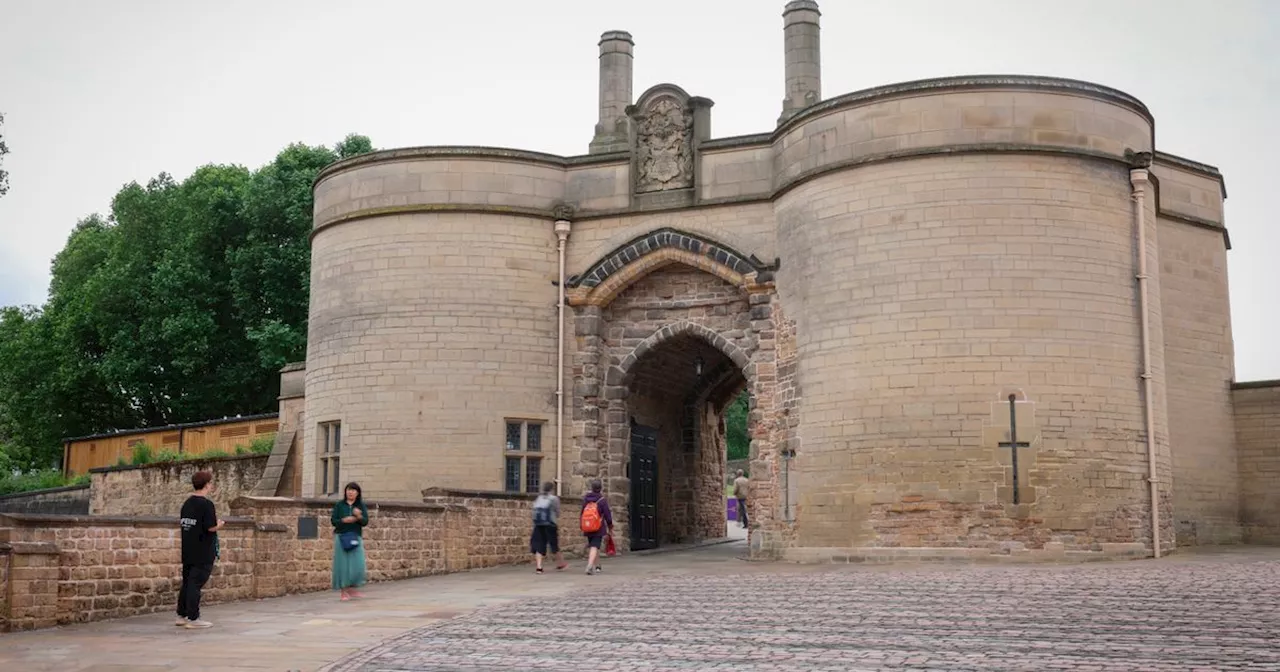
920	285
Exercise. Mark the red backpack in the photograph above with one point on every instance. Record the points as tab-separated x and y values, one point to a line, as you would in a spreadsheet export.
591	518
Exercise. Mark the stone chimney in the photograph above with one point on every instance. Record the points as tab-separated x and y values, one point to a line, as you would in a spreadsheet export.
612	131
803	57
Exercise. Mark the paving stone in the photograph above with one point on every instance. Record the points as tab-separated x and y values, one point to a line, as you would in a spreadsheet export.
1219	612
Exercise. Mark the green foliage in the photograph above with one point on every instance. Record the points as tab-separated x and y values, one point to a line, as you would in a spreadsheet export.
4	149
735	428
214	454
169	457
142	454
263	445
181	305
43	479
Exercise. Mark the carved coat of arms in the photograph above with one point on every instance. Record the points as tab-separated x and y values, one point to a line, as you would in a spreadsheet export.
664	147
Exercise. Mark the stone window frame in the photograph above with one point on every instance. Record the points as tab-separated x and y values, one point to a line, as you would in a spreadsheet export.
522	454
328	462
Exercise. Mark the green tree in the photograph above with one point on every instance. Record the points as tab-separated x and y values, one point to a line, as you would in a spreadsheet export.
735	427
181	305
4	149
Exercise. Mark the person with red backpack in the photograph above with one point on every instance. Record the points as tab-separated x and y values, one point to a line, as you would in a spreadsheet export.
597	521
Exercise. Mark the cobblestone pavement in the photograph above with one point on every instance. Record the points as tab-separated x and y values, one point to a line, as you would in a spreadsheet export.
1200	611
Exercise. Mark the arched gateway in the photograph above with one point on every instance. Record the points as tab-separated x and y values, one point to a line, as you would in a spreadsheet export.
670	327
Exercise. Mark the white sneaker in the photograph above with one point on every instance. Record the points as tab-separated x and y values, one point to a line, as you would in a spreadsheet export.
181	622
197	624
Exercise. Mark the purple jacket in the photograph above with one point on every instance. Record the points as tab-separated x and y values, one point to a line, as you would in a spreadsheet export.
603	506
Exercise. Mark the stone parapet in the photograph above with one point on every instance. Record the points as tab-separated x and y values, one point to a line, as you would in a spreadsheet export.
498	524
160	489
71	500
56	570
76	569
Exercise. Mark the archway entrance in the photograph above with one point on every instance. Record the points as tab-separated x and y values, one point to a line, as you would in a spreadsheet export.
669	328
676	398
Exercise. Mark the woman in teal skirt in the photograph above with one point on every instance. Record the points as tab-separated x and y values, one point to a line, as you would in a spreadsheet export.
349	518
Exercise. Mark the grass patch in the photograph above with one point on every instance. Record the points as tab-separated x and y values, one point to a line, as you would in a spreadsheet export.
38	480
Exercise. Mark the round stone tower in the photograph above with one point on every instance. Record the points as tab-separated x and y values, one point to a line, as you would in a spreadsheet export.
953	243
432	300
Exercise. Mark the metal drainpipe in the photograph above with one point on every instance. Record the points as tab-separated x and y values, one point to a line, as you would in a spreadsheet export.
562	228
1140	178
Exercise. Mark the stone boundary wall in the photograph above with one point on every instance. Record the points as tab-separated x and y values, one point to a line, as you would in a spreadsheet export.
1257	416
76	569
499	524
59	570
56	570
160	489
403	540
70	500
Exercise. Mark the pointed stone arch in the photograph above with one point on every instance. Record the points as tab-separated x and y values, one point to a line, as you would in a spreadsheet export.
741	359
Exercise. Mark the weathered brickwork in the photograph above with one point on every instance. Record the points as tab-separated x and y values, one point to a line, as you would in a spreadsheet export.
1257	415
679	338
6	562
160	489
402	540
497	525
1199	360
73	569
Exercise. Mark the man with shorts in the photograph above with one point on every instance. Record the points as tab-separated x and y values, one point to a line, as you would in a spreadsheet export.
546	530
597	521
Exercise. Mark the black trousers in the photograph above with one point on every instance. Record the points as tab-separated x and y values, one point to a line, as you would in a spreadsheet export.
193	579
742	511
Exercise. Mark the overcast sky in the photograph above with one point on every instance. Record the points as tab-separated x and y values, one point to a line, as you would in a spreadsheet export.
98	94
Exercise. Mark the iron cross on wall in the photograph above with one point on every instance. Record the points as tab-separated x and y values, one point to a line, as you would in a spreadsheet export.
1013	443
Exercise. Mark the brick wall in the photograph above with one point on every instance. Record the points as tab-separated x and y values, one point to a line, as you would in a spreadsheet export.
6	561
72	500
403	540
1198	358
498	525
75	569
160	489
1257	415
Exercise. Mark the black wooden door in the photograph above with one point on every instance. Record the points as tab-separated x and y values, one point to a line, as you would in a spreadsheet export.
644	487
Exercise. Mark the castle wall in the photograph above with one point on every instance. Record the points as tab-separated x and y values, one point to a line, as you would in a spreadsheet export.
428	331
1199	359
1257	415
942	245
1189	189
924	291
